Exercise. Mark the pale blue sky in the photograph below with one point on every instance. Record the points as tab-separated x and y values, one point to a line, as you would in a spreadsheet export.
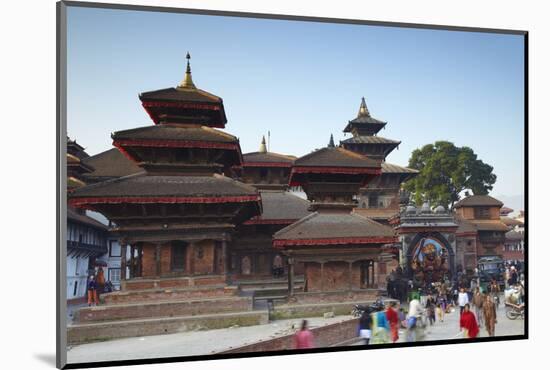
303	81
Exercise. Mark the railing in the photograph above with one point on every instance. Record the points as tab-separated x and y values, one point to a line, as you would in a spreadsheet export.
85	247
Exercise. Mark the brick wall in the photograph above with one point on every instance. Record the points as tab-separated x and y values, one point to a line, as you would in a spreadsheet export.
204	264
335	276
324	336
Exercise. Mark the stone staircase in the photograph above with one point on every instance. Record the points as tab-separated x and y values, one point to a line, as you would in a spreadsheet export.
155	306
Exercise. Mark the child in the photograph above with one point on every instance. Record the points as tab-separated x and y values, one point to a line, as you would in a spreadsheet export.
439	312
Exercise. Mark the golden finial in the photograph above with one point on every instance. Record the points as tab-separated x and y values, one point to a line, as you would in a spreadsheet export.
187	82
363	110
263	148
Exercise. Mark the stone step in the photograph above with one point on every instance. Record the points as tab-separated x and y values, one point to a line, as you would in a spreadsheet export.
160	309
93	332
266	283
161	294
172	282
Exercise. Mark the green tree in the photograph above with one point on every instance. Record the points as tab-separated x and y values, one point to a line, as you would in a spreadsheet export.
446	171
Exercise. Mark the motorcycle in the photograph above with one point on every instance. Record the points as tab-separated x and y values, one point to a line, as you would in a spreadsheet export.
359	309
513	311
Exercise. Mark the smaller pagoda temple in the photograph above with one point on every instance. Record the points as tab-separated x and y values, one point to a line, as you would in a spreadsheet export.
340	251
251	253
381	198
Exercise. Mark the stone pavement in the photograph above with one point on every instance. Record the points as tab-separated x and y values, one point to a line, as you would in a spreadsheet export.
188	343
449	328
207	342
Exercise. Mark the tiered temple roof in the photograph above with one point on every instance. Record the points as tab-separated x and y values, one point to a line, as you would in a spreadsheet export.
333	229
110	164
183	158
184	104
478	201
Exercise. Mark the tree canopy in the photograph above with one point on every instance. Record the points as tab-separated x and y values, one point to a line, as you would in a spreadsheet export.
446	171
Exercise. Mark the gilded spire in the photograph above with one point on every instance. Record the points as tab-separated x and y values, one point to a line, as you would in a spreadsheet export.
263	148
363	110
331	142
187	82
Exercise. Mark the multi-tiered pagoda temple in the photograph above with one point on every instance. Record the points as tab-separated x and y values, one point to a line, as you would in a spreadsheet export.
380	199
340	250
177	215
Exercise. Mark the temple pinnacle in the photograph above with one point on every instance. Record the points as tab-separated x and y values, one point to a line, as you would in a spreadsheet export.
187	82
331	142
363	110
263	148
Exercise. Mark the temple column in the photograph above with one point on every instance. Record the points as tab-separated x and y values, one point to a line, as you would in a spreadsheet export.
322	276
224	257
122	264
157	258
140	252
350	275
291	277
132	262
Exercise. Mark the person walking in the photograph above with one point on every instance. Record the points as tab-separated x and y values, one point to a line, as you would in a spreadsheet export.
393	319
380	327
430	309
303	337
100	280
365	326
462	299
439	312
468	322
478	301
415	313
490	315
513	276
92	291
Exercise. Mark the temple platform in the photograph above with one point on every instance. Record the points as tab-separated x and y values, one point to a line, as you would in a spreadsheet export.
103	331
160	294
172	282
168	308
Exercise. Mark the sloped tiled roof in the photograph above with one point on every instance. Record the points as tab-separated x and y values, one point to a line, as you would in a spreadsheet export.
179	94
478	200
364	139
393	168
511	221
279	205
514	235
489	225
336	157
111	164
333	226
175	132
141	185
268	157
74	216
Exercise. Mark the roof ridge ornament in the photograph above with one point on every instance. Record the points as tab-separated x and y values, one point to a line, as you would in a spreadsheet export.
363	110
187	82
263	148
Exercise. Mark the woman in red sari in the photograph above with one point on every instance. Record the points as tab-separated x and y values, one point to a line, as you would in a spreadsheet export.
468	322
393	319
